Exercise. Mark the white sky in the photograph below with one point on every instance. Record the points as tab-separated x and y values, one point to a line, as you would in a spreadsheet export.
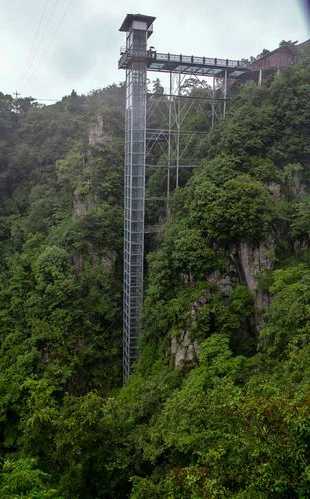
49	47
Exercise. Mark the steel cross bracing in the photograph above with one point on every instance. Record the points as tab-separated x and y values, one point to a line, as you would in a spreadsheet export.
157	135
170	142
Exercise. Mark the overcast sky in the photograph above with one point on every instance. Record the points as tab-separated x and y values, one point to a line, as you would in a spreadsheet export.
49	47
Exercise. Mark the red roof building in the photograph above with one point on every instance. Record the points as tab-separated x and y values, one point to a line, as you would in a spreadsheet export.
279	58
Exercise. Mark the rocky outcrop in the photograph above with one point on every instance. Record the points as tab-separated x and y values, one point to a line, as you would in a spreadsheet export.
247	263
274	189
82	204
184	351
224	283
97	133
253	260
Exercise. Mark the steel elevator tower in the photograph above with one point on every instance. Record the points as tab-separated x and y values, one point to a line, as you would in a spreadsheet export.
136	59
138	29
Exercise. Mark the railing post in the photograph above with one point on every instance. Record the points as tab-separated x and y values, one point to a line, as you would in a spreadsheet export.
225	93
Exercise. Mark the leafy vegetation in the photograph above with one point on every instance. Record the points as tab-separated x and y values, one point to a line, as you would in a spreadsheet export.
218	405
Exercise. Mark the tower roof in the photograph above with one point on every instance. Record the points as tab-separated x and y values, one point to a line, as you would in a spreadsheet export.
136	17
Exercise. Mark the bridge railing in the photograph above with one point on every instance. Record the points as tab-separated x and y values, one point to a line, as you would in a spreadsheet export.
184	59
204	61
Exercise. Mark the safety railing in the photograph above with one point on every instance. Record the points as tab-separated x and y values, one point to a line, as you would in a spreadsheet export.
183	59
203	61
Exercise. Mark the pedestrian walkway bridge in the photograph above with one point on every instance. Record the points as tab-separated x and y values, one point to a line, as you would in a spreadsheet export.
184	64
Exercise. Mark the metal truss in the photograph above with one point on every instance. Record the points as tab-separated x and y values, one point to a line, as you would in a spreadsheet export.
171	142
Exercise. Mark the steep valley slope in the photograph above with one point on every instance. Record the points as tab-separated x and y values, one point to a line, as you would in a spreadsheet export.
219	402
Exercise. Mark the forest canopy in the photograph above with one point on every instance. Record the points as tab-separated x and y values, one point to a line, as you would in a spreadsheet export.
218	404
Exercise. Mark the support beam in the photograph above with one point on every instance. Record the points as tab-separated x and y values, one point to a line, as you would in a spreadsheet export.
178	126
225	93
213	103
169	144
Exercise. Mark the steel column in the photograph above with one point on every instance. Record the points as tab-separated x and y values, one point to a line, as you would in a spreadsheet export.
225	93
134	196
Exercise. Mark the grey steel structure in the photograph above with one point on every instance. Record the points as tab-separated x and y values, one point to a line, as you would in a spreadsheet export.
138	29
136	59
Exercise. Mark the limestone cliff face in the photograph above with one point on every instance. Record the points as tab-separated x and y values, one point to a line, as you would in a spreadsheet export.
184	351
85	201
82	204
254	260
248	261
223	282
97	133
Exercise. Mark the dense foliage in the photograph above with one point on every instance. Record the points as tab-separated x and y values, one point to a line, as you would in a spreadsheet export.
230	277
60	291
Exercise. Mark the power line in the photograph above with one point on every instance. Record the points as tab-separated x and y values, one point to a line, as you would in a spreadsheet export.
38	55
35	41
38	30
50	40
62	18
42	41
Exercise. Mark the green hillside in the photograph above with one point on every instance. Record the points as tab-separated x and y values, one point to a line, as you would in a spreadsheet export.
219	402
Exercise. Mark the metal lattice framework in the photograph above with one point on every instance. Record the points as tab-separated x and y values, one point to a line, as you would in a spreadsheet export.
154	138
134	193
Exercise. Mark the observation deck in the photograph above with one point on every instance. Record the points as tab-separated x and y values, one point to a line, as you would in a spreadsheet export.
184	64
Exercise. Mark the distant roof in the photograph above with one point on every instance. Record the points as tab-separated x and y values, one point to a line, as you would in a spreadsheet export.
136	17
291	48
304	44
